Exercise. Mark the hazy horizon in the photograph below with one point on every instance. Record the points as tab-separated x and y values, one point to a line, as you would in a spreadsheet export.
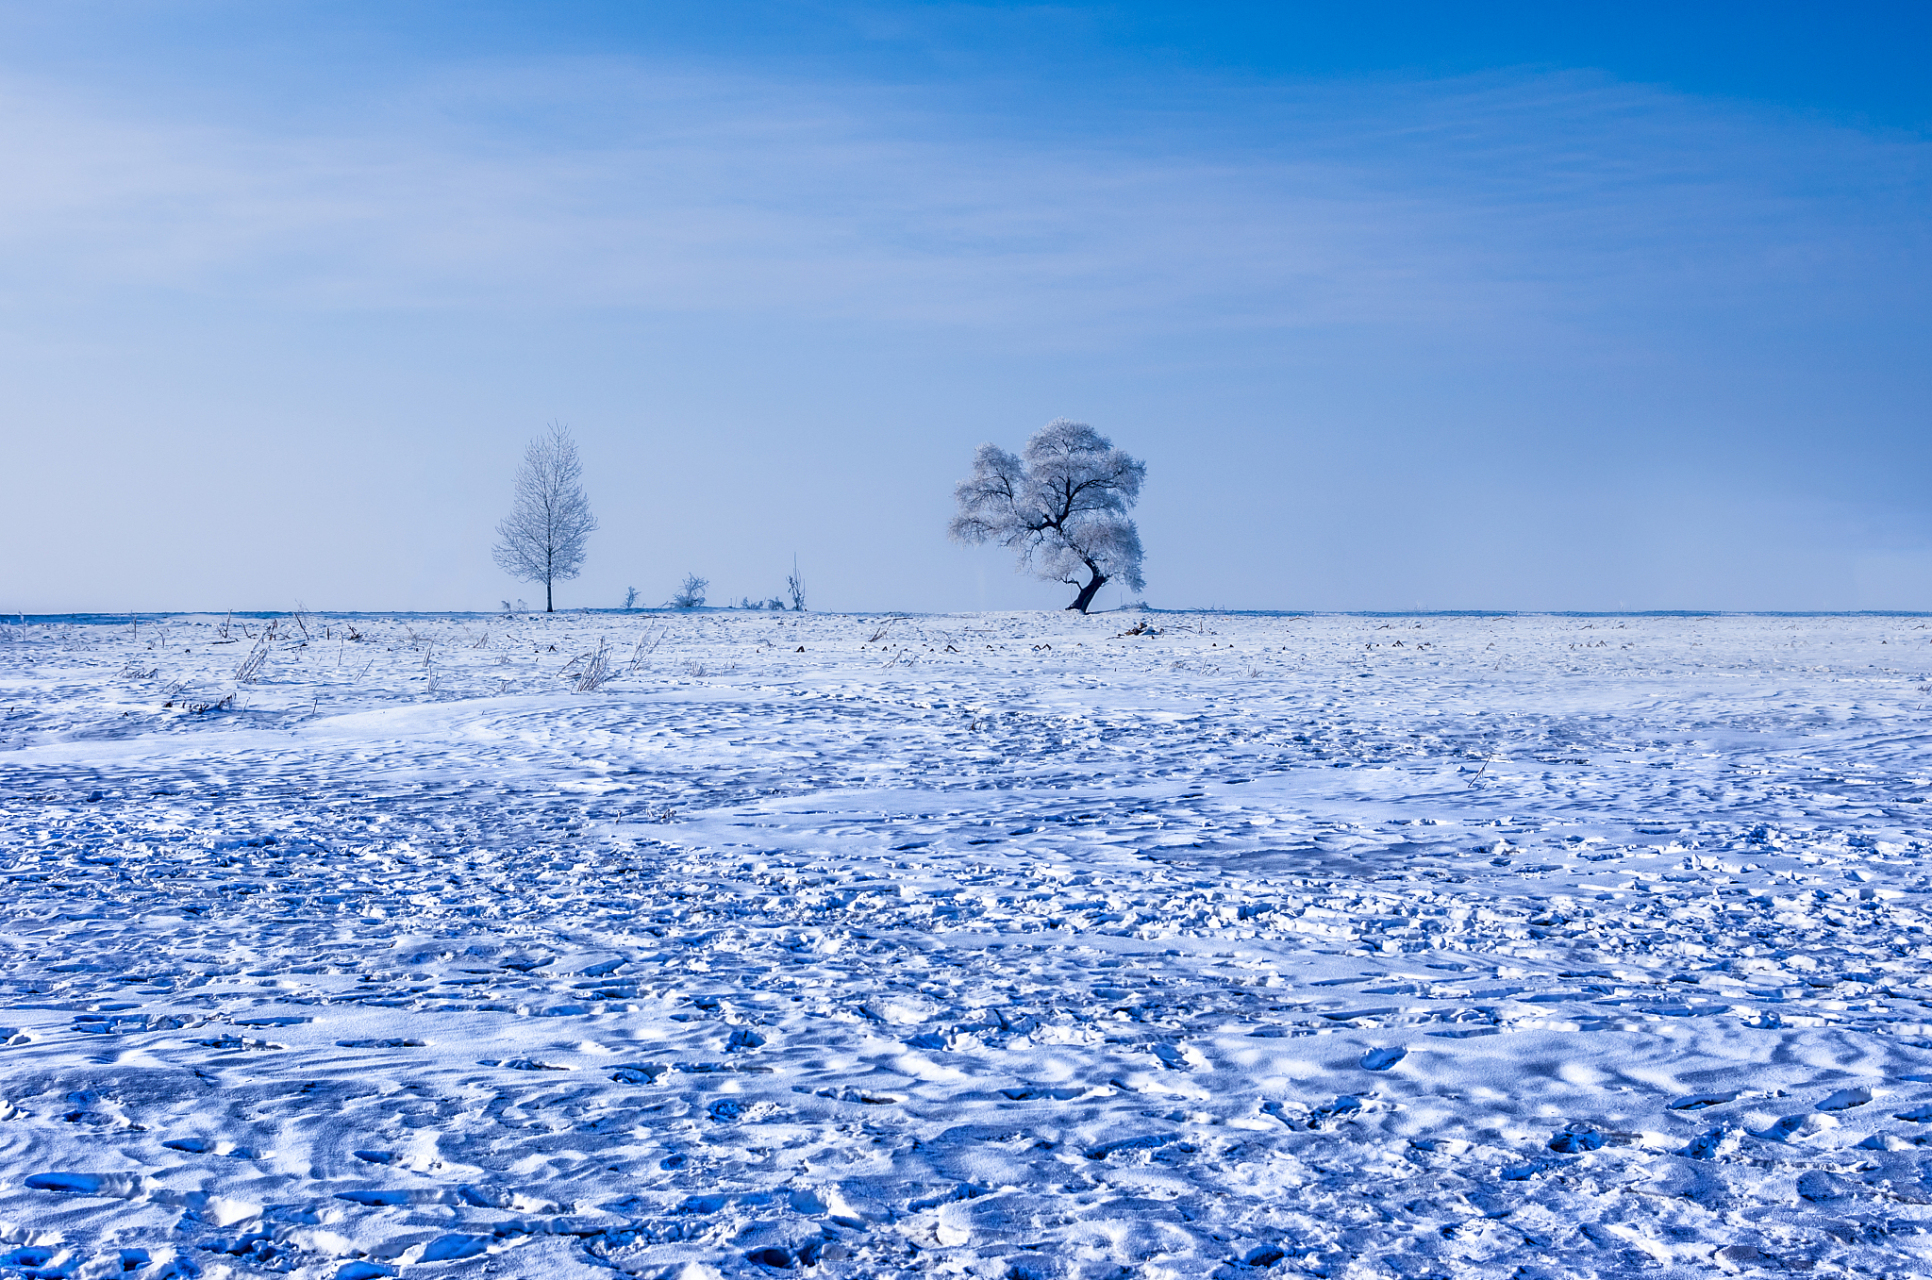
107	619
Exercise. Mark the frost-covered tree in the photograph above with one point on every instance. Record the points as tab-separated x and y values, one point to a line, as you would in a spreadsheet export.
690	592
543	538
1062	505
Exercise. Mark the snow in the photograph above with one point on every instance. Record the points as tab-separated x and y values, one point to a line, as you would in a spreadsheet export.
997	945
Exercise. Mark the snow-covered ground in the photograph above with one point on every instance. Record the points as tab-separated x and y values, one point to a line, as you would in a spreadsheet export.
989	945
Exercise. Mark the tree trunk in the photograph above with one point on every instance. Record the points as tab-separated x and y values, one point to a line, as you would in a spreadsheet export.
1088	592
548	607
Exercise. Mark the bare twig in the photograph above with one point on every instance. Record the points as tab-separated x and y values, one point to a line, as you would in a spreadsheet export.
642	653
596	671
257	658
1487	761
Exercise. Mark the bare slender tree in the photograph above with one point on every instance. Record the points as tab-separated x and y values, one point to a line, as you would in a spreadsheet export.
1062	507
795	588
543	537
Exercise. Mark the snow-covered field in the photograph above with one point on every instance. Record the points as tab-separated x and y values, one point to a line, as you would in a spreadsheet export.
989	945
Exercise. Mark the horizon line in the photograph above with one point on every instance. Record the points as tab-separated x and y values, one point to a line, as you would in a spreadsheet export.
18	618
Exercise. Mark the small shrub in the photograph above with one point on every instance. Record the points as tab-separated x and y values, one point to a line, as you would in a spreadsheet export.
795	588
597	670
690	592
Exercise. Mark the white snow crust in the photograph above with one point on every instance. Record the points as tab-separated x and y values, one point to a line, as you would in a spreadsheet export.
987	945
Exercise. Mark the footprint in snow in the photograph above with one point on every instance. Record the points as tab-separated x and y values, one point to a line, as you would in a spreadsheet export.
1821	1187
779	1258
1180	1057
117	1186
1798	1126
1710	1145
455	1246
387	1042
1698	1101
1146	1142
236	1042
1033	1092
1888	1142
642	1073
360	1270
493	1197
1342	1107
1575	1139
521	1064
865	1097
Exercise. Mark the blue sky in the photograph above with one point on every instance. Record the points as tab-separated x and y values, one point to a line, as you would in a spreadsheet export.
1504	309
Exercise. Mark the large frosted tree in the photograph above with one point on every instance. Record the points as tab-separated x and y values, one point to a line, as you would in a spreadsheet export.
1061	505
543	538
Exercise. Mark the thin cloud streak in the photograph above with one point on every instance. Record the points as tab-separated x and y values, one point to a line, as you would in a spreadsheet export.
1508	203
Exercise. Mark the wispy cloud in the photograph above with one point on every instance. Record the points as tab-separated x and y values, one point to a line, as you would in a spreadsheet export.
615	184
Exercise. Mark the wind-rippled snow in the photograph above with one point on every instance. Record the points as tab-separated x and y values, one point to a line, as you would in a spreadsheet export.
986	945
